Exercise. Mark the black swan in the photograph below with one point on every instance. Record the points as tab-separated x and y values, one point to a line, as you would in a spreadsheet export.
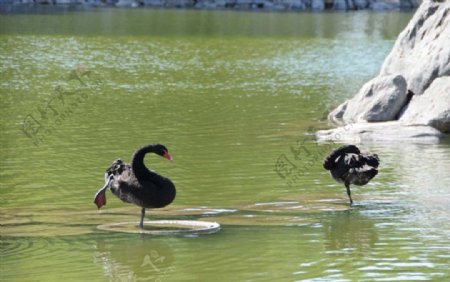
135	183
349	166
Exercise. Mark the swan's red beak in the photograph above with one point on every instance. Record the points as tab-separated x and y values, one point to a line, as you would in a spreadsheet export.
167	156
100	198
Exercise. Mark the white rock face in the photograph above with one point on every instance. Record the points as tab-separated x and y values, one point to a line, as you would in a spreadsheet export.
380	99
432	108
421	52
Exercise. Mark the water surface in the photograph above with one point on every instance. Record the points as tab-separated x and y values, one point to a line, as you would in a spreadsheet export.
233	96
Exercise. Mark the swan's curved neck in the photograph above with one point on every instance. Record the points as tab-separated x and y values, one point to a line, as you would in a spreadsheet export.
138	166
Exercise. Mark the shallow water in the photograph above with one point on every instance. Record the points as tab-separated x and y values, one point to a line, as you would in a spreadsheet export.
233	95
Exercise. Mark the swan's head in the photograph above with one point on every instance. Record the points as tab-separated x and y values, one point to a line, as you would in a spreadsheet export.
161	150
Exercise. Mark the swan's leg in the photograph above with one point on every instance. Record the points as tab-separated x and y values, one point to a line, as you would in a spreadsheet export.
347	185
141	224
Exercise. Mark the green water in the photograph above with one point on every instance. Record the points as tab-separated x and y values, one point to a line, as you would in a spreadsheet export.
233	96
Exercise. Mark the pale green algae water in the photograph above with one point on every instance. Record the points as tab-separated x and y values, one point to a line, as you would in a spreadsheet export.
231	94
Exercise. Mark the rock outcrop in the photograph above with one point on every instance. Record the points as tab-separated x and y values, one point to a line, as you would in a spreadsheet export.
421	52
269	5
380	99
432	108
413	86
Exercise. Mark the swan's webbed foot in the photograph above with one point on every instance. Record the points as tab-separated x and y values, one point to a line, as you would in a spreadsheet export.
141	223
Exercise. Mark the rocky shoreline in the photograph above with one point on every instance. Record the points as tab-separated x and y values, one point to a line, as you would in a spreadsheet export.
410	98
268	5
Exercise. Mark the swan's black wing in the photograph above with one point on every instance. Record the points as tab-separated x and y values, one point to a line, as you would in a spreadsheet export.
361	160
361	168
332	158
117	168
371	160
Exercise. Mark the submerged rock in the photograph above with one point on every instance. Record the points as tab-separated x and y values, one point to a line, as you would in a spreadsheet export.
392	131
432	108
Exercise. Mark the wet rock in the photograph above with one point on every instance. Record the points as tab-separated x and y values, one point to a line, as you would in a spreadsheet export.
177	3
337	115
256	3
154	3
421	52
393	131
66	1
206	4
294	4
380	99
340	5
318	5
244	4
97	3
127	3
385	5
360	4
432	108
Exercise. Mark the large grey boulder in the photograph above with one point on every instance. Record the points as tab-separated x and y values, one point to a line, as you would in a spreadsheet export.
419	64
431	108
393	131
380	99
421	52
